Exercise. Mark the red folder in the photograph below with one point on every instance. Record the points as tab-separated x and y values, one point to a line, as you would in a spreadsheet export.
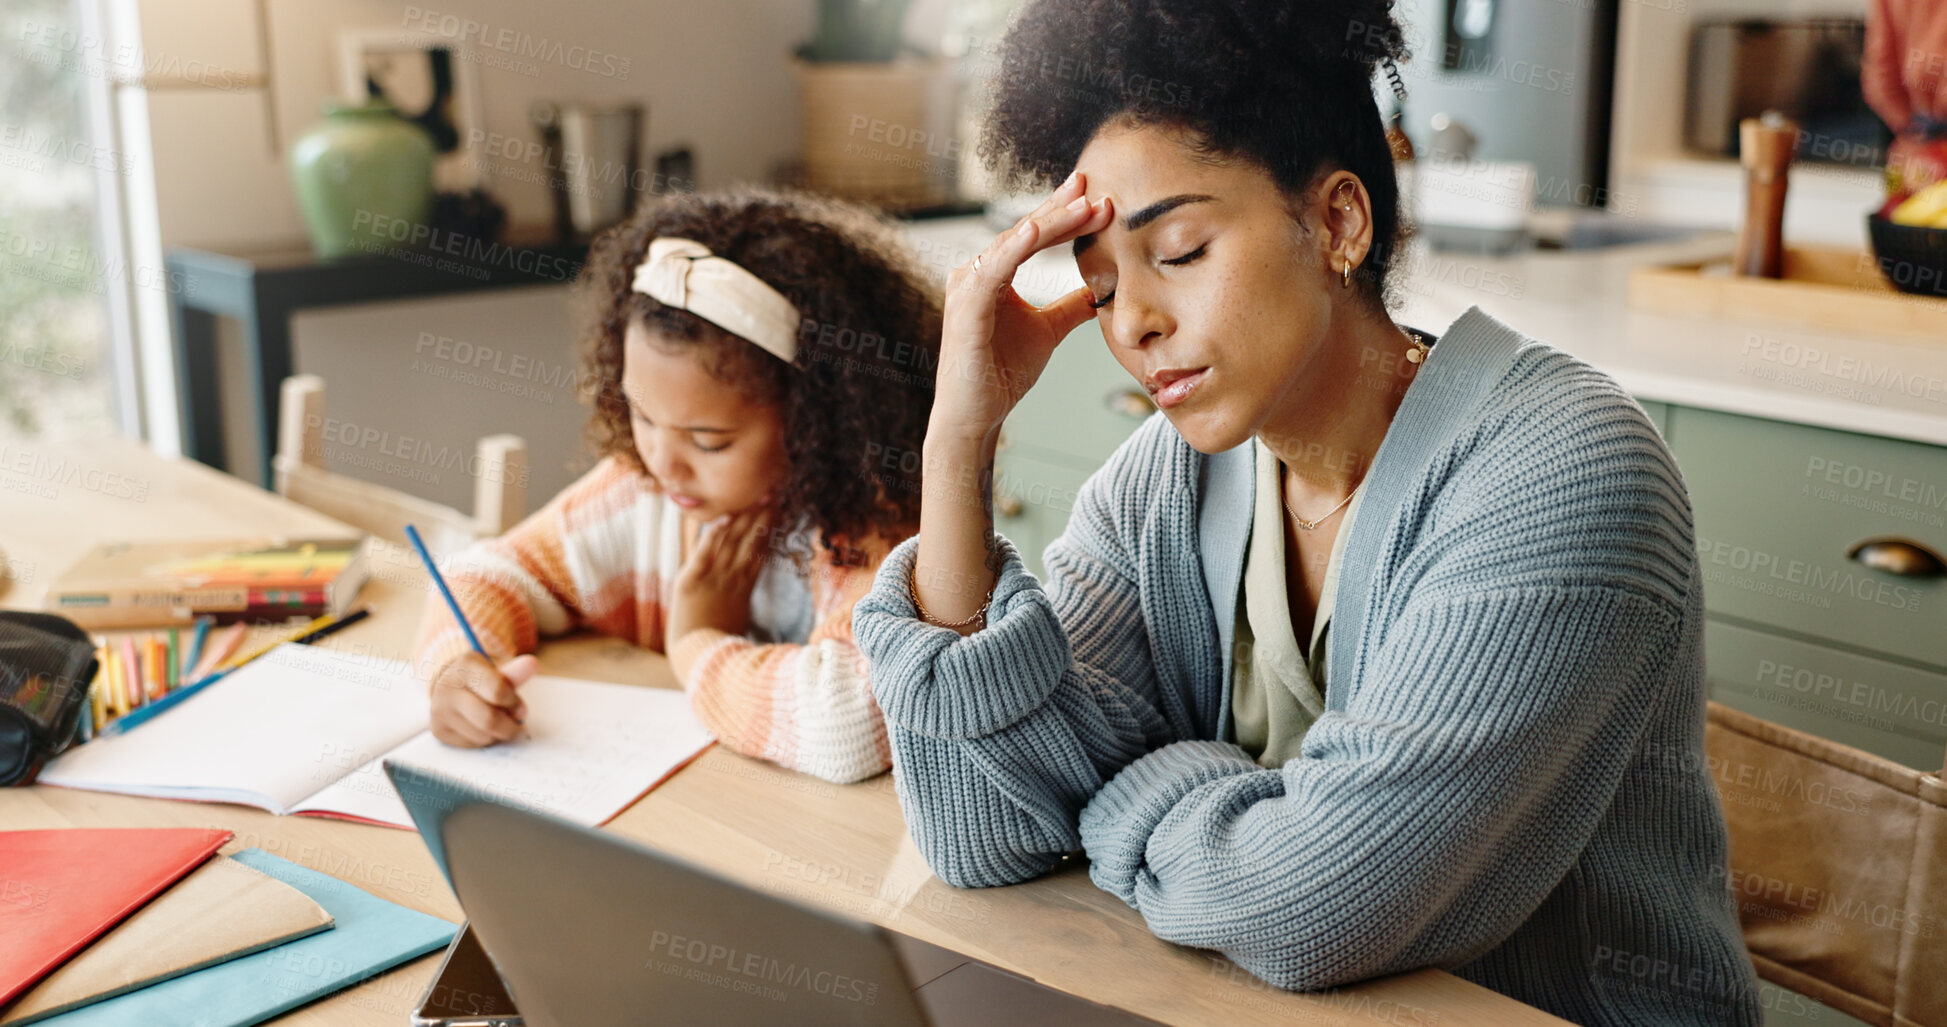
59	890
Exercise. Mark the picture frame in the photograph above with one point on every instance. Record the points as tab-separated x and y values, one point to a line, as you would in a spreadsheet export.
432	81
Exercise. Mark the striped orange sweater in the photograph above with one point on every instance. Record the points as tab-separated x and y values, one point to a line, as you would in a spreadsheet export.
603	555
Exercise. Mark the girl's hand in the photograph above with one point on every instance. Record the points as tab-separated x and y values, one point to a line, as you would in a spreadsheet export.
994	344
475	704
714	584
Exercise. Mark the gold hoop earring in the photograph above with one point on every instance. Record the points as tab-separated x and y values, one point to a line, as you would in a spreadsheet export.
1345	275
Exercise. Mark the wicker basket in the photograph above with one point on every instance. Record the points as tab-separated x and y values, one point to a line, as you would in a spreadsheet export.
868	133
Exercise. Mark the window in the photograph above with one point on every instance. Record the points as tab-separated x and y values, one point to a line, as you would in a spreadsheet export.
57	370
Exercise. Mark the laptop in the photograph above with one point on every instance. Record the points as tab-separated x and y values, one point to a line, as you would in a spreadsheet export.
586	927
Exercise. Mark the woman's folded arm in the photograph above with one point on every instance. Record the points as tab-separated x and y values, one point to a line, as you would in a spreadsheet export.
1426	821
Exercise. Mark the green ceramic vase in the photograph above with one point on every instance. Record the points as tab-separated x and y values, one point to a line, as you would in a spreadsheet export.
364	180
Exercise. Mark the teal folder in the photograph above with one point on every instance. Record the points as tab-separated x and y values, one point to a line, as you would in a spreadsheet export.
370	936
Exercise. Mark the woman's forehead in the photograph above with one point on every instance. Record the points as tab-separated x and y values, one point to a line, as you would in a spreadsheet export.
1150	171
1123	155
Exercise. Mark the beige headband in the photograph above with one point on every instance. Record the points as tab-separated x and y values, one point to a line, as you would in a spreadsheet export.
684	274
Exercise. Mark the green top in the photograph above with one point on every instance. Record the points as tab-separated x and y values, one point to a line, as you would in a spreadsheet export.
1274	695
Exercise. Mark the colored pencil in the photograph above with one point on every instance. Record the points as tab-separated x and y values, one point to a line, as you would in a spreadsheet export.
156	683
170	671
219	650
112	696
341	623
131	677
196	642
98	697
419	544
85	723
98	692
275	642
133	720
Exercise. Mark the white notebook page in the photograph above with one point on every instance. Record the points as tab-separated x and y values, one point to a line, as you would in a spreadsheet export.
268	734
593	749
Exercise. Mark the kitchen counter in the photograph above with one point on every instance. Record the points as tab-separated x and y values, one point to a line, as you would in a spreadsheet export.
1577	301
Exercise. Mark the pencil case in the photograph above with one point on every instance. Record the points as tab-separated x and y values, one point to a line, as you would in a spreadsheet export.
46	665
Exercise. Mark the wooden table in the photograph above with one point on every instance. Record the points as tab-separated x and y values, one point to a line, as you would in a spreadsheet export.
840	847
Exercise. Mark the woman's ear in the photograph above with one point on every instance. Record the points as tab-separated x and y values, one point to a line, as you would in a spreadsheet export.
1346	214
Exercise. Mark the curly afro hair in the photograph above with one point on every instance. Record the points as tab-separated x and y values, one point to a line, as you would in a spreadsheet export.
1283	84
868	346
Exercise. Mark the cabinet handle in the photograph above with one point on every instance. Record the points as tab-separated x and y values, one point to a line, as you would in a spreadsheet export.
1130	403
1898	556
1008	505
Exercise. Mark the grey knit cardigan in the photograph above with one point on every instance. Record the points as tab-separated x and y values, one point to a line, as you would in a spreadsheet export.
1508	780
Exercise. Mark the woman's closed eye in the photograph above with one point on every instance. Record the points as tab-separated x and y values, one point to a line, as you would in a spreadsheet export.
1187	258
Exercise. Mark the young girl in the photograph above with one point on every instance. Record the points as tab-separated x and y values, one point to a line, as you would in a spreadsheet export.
752	357
1467	730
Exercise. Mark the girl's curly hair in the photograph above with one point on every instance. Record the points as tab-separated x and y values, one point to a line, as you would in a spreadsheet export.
1283	84
855	402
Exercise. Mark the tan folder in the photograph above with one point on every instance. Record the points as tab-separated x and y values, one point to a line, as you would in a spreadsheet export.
219	911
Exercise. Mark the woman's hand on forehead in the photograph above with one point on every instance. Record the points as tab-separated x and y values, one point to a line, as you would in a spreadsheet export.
1063	216
994	344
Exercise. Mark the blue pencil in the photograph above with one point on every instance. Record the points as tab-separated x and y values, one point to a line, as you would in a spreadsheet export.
195	646
451	603
135	718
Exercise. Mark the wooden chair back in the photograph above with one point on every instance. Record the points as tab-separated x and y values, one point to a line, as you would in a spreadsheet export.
499	471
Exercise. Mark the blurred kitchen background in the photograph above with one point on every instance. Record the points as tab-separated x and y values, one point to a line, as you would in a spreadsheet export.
139	128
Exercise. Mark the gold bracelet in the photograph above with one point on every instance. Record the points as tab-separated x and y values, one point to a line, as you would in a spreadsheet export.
912	592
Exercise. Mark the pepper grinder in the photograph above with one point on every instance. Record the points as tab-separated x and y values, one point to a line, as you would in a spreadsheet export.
1765	145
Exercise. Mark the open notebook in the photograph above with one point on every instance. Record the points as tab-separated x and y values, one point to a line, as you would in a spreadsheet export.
302	730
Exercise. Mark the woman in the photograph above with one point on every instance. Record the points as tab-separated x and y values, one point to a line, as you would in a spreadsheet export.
1466	730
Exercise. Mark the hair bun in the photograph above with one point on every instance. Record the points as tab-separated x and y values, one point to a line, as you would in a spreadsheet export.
1309	38
1371	33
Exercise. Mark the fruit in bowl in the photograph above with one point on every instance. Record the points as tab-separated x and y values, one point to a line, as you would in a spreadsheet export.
1924	209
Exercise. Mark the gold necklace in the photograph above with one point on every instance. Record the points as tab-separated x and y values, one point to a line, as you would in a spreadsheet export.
1310	525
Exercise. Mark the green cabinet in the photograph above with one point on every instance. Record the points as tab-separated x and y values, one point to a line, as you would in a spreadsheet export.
1779	507
1081	408
1892	709
1659	416
1032	501
1800	632
1068	424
